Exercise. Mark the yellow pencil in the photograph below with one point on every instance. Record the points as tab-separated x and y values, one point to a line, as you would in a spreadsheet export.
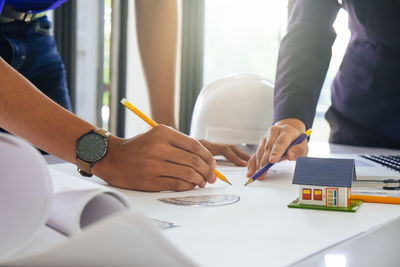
377	199
153	124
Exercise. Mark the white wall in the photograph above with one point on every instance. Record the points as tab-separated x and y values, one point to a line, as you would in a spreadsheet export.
342	195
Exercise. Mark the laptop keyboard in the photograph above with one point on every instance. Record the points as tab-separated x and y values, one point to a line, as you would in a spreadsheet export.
392	162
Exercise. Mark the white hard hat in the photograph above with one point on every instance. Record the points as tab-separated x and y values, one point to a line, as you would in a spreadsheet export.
234	110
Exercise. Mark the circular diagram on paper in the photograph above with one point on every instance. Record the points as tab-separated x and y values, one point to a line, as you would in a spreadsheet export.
203	201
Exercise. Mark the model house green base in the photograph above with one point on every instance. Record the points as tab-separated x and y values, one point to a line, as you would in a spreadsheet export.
354	205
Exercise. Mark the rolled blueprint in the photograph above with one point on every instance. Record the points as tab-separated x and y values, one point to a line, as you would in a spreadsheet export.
25	193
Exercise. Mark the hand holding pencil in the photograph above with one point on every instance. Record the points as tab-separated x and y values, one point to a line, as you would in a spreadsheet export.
279	143
190	154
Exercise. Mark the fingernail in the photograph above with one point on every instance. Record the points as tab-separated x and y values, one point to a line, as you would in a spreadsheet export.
213	179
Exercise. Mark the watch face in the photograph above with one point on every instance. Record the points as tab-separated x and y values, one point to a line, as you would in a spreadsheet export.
91	147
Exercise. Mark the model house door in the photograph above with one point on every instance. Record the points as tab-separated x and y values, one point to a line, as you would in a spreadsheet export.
331	197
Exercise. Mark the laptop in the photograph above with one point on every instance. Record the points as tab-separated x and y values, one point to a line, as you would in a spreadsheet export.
374	167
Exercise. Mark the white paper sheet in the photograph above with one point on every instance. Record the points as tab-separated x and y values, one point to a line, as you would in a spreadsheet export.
259	230
42	240
25	193
127	239
31	196
78	203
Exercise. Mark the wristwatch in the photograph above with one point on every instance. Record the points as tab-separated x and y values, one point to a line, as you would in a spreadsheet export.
90	148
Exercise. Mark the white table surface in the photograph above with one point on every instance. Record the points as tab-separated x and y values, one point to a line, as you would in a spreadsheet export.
259	230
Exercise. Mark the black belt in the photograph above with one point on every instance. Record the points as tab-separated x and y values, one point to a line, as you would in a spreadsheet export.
9	14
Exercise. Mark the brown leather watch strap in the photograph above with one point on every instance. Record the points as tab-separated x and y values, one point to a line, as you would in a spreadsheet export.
83	167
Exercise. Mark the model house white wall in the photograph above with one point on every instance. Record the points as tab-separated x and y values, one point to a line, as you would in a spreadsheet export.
342	196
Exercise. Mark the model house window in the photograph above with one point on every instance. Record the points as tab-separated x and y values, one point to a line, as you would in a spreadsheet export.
317	194
306	192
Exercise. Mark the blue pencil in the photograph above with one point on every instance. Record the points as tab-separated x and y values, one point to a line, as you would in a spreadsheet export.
269	165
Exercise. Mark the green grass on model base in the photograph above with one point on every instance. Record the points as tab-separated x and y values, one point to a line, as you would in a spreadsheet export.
354	205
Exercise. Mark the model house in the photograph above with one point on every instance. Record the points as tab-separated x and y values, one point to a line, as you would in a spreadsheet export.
324	181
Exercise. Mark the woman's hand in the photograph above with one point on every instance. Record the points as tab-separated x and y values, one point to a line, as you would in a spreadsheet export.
230	152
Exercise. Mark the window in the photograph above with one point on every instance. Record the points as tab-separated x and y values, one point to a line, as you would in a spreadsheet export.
306	194
94	49
317	194
106	83
88	59
244	37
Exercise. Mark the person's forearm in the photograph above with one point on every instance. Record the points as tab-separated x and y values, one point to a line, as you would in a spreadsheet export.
26	112
158	160
157	38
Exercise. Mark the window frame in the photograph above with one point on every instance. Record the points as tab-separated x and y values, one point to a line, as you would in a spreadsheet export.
305	196
317	197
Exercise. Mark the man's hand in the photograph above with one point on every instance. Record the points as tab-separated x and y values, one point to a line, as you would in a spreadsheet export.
230	152
274	144
162	159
